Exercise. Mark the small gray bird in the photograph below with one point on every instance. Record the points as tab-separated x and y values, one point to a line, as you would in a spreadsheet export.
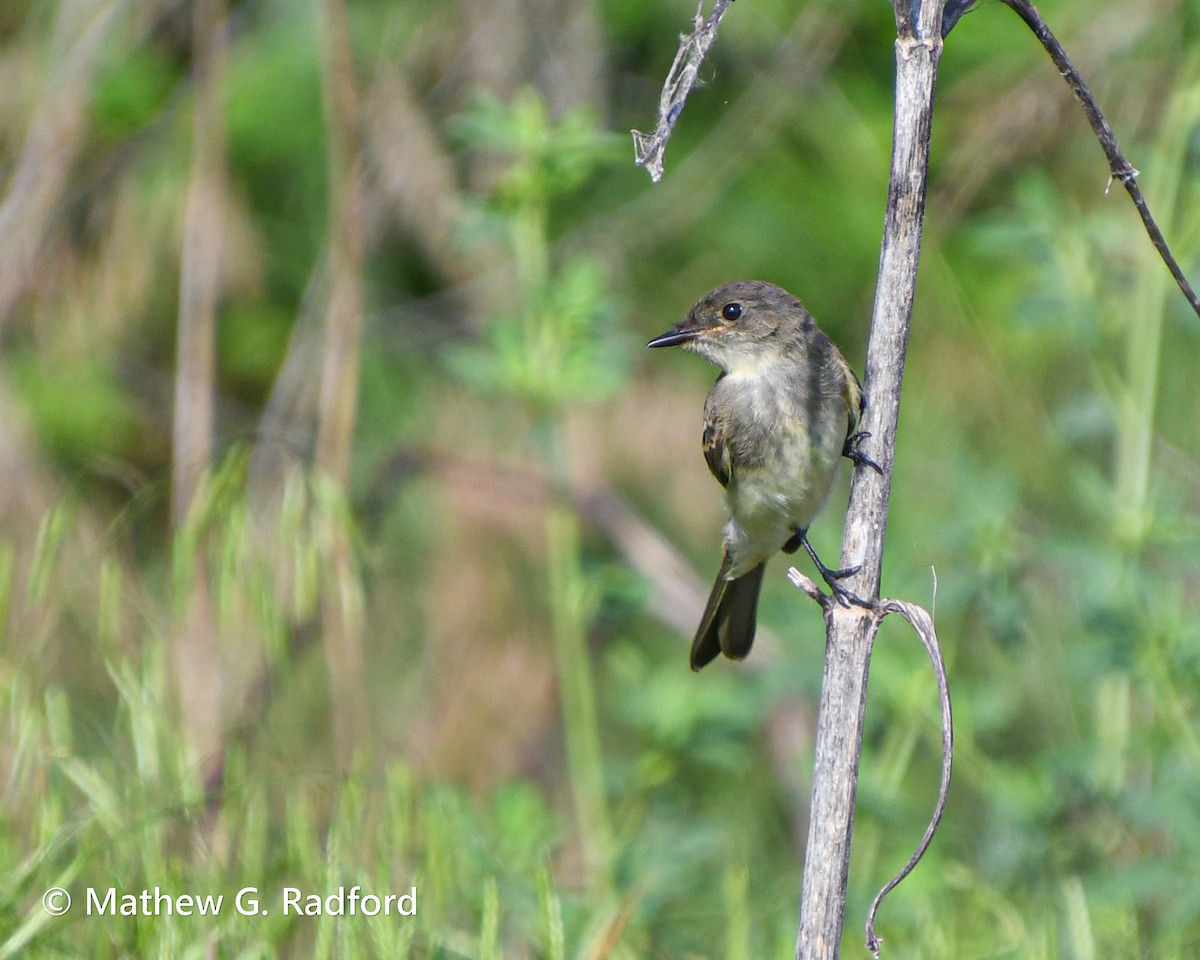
781	414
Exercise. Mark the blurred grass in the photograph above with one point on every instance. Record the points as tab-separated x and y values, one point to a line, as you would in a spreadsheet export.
526	708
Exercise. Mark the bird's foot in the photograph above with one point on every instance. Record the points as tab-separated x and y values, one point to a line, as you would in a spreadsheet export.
840	593
828	574
851	452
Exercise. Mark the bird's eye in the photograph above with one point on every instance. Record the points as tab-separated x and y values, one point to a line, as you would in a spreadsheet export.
731	311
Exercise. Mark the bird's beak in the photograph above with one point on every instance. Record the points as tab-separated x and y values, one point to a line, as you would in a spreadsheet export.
673	337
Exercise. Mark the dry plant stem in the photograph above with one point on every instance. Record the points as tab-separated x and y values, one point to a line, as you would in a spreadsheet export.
197	656
851	631
39	175
681	78
1119	167
343	326
200	270
340	365
577	692
922	623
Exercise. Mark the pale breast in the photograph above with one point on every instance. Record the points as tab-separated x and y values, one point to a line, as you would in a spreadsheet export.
785	431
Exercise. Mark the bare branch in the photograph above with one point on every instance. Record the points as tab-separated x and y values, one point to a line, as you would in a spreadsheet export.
681	78
851	632
1119	167
807	584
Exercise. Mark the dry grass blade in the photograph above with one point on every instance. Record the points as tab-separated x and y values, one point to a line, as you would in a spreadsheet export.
922	622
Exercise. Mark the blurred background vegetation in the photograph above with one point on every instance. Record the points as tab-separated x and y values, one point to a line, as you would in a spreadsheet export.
350	537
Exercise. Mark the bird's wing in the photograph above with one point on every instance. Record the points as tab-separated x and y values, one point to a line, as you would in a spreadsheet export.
852	394
716	451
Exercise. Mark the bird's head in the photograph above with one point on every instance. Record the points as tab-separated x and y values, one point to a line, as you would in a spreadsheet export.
740	325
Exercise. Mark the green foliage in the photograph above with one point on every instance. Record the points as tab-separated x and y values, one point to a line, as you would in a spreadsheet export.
549	159
558	343
558	347
119	819
131	92
251	343
78	407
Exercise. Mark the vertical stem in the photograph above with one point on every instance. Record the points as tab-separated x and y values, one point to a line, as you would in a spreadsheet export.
569	618
340	364
1143	339
569	603
200	271
568	610
39	176
851	632
835	781
1135	410
343	327
196	654
531	248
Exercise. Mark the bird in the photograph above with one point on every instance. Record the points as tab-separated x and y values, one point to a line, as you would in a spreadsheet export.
783	411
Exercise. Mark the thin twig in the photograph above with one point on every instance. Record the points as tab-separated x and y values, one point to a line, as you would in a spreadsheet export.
953	12
1119	167
922	623
681	78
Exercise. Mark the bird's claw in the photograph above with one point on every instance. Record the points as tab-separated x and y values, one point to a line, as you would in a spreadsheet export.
851	452
843	596
831	577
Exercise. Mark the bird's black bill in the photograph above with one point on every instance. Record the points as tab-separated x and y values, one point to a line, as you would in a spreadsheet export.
672	338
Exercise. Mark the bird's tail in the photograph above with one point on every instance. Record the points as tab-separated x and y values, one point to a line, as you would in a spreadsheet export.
730	617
